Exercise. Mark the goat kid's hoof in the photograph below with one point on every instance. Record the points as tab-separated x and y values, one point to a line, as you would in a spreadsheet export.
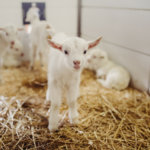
74	121
46	102
52	129
31	68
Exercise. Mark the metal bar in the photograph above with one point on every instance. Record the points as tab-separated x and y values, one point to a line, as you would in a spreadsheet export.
121	8
79	19
149	83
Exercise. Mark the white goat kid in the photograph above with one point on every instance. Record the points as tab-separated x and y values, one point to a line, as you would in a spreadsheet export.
109	74
13	58
64	69
9	40
25	40
41	31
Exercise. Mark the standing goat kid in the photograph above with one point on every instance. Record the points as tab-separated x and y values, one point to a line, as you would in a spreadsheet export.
41	31
64	70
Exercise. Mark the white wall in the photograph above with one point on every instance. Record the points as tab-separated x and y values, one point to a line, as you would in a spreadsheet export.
62	14
125	27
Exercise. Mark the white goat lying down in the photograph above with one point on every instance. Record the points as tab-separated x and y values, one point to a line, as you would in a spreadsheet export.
41	31
67	60
14	55
9	41
13	59
109	74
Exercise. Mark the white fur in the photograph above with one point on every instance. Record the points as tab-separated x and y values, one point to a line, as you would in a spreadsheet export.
64	75
41	30
25	40
8	35
109	74
13	58
9	42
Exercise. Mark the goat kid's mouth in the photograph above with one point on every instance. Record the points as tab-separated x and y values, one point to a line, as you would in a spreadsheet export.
77	67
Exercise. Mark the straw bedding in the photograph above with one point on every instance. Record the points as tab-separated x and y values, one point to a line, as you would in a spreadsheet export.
109	119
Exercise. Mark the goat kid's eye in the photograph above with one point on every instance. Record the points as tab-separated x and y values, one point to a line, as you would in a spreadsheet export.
84	52
66	52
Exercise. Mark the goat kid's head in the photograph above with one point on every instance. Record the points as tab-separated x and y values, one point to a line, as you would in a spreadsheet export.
8	33
10	36
97	56
31	16
75	50
17	48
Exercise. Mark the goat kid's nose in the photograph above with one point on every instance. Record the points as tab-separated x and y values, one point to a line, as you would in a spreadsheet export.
12	42
76	62
22	54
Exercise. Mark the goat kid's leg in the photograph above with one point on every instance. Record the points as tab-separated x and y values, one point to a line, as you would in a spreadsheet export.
47	96
100	74
72	96
33	57
41	59
104	83
55	93
54	116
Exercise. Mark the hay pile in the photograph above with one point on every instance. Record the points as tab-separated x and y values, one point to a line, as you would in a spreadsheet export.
109	119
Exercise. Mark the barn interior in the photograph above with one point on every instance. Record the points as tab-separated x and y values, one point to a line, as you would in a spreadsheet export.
109	119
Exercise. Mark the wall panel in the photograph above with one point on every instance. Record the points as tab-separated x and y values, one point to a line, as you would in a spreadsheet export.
126	4
130	29
124	26
61	14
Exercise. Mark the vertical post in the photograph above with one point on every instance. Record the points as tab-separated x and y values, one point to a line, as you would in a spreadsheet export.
149	83
79	18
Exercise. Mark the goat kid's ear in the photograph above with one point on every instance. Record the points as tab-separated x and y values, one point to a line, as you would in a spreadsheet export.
55	45
94	43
